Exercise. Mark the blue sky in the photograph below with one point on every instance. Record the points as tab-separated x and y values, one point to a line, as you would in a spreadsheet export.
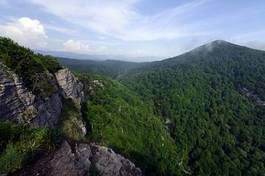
159	28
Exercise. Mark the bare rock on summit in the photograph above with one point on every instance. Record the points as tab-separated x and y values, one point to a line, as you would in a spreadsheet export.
82	160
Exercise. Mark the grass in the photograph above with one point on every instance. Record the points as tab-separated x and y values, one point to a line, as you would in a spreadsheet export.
19	144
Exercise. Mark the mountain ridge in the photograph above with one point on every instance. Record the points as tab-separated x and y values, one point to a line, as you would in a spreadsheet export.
201	113
202	98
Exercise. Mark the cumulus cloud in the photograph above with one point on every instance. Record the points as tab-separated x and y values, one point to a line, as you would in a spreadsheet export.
91	47
26	31
75	46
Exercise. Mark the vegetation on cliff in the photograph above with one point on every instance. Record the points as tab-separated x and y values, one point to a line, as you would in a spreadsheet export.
35	70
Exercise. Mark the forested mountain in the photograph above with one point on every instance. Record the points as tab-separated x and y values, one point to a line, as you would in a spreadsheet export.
212	100
111	68
200	113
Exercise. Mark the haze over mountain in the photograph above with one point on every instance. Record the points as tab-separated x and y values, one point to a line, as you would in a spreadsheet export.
111	68
77	56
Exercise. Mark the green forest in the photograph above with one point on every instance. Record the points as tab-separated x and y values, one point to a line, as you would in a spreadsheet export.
200	113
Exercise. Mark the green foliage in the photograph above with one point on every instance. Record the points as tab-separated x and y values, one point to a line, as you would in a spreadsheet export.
49	62
218	130
35	70
120	120
18	144
70	117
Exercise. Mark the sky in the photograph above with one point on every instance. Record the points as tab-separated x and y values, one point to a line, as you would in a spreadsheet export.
133	28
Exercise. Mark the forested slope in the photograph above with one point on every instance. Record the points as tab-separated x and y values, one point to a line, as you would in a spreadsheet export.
208	99
119	119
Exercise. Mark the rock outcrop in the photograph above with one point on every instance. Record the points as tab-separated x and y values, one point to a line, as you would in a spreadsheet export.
82	160
70	85
16	102
19	104
72	88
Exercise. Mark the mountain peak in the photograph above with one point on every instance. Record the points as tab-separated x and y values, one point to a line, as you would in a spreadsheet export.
219	43
216	44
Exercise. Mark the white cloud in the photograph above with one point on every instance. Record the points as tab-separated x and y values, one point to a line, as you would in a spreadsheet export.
85	47
121	20
60	29
102	16
75	46
26	31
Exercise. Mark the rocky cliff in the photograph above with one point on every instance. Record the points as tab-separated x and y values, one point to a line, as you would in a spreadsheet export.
20	104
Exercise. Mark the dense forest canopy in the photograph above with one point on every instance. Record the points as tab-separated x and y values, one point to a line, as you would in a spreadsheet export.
219	127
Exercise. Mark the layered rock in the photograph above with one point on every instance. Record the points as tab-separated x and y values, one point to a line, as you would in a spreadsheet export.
72	88
19	104
16	101
82	160
70	85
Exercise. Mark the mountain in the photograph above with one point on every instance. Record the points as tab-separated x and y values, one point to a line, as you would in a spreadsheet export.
96	57
212	100
200	113
111	68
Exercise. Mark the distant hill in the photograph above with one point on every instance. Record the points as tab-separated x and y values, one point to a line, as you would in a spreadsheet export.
98	57
111	68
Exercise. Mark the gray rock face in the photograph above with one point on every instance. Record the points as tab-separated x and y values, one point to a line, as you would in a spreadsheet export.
19	104
71	88
16	102
83	160
70	85
108	163
49	111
